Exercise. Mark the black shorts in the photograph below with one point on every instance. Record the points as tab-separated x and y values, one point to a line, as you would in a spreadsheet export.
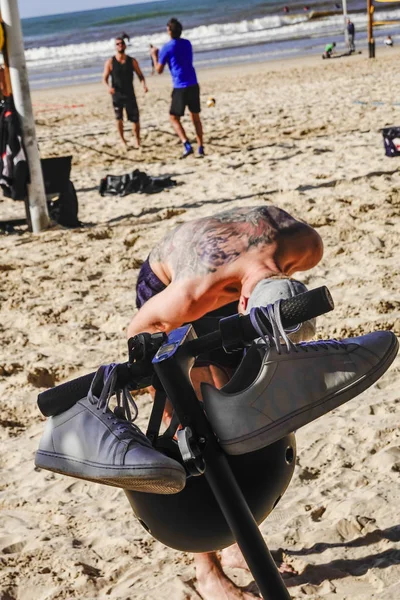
129	104
182	97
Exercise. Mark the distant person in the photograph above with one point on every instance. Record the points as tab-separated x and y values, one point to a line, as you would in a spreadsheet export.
388	41
329	50
351	32
178	54
285	9
122	68
152	60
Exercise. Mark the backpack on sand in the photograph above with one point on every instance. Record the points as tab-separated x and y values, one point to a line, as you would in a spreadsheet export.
64	210
135	182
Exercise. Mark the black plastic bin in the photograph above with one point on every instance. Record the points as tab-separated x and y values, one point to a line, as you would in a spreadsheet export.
56	173
57	183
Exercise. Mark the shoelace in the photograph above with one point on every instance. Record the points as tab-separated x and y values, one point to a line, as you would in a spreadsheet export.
272	313
122	416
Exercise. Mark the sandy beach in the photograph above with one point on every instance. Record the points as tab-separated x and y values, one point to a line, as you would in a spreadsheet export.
303	135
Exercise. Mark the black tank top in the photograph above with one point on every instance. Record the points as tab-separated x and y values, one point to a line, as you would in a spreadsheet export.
122	76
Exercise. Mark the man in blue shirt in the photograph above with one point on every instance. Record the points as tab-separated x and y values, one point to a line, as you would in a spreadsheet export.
178	55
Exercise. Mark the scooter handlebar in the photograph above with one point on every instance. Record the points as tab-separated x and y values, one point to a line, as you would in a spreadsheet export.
298	309
293	311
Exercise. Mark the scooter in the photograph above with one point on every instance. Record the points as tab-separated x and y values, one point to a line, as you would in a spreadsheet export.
225	497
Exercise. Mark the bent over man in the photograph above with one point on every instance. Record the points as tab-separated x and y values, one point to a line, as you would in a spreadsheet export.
203	269
122	68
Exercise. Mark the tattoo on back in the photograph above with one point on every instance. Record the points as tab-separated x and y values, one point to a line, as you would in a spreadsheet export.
202	246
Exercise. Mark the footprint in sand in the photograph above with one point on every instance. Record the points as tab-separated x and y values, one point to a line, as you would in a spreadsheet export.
387	460
13	548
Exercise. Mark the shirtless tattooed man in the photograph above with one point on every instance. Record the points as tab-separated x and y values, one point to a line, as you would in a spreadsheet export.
203	269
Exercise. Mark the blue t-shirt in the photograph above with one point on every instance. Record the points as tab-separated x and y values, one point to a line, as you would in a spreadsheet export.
178	54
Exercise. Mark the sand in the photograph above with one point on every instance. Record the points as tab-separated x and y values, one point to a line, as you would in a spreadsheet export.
302	135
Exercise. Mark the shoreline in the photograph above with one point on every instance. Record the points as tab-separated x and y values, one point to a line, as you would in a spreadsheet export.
303	46
212	72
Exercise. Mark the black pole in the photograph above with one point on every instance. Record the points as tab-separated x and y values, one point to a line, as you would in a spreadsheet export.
371	48
370	28
244	528
173	372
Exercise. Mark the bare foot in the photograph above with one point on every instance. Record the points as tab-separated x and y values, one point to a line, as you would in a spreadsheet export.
284	568
223	589
233	558
212	582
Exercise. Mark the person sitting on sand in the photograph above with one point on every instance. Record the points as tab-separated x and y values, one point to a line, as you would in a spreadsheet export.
178	54
388	41
329	50
202	270
122	67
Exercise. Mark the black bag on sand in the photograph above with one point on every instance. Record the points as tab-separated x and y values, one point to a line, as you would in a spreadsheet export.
391	139
135	182
64	210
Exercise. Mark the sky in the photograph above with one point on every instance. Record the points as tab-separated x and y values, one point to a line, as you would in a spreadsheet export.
37	8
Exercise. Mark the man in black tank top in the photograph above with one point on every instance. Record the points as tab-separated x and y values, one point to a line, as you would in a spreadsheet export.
122	68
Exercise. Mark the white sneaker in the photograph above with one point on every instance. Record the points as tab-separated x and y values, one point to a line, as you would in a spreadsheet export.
89	441
277	389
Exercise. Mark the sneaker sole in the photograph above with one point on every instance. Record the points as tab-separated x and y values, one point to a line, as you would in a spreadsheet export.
277	430
186	155
164	483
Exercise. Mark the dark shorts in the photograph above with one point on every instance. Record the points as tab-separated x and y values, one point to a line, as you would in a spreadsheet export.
148	285
185	97
129	104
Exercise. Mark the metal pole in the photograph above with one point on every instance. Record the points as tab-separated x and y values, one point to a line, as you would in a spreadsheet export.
371	41
245	529
346	35
39	215
173	374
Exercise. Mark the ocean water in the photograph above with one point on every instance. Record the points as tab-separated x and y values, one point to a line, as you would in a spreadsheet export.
71	48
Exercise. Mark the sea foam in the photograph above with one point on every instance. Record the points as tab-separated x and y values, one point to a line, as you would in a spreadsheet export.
208	37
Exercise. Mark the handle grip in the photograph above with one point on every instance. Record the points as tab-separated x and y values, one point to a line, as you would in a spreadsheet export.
306	306
298	309
62	397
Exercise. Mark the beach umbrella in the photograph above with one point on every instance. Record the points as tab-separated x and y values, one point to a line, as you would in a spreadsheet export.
15	55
